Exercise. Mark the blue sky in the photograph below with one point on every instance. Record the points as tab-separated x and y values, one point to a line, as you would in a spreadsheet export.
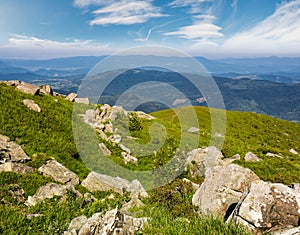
211	28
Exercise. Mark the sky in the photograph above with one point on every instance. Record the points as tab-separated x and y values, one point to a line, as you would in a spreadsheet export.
209	28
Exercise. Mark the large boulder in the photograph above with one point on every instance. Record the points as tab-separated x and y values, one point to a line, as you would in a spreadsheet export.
112	222
99	182
203	159
222	189
49	191
59	173
28	88
268	207
12	152
32	105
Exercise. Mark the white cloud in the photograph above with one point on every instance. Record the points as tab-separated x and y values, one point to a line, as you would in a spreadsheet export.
278	32
28	46
123	12
197	31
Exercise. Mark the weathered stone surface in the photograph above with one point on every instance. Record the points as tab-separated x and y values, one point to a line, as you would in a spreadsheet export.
194	130
273	155
268	207
49	191
71	97
4	138
293	151
129	158
112	222
28	88
203	159
251	157
143	115
12	152
124	148
230	160
104	149
19	168
223	187
46	89
13	83
116	138
59	173
287	231
77	223
82	101
32	105
98	182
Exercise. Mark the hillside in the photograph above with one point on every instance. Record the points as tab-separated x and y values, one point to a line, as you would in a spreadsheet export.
48	134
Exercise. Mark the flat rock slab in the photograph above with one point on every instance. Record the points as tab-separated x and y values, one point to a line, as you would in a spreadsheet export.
28	88
12	152
59	173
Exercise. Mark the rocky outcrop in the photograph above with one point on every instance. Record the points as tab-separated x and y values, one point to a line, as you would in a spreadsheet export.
46	89
222	189
251	157
71	97
268	207
32	105
112	222
49	191
98	182
12	152
59	173
85	101
203	159
28	88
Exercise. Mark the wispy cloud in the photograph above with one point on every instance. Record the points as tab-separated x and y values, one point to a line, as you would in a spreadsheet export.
278	32
38	47
123	12
197	31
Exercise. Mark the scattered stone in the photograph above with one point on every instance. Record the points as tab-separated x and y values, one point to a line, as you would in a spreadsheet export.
4	138
104	149
129	158
46	89
49	191
12	152
59	173
113	222
293	151
143	115
116	138
251	157
124	148
273	155
19	168
98	182
268	207
28	88
30	216
194	130
32	105
222	188
202	159
71	97
82	101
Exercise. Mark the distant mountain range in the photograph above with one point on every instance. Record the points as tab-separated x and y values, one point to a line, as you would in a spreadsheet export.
264	85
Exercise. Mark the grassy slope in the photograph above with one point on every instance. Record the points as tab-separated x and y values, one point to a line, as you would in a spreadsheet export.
49	134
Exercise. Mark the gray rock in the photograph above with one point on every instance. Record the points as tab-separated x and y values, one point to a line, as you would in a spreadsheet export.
116	138
194	130
268	207
85	101
104	149
113	222
13	83
19	168
129	158
98	182
49	191
293	151
223	187
12	152
251	157
71	97
59	173
77	223
32	105
46	89
28	88
273	155
203	159
287	231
